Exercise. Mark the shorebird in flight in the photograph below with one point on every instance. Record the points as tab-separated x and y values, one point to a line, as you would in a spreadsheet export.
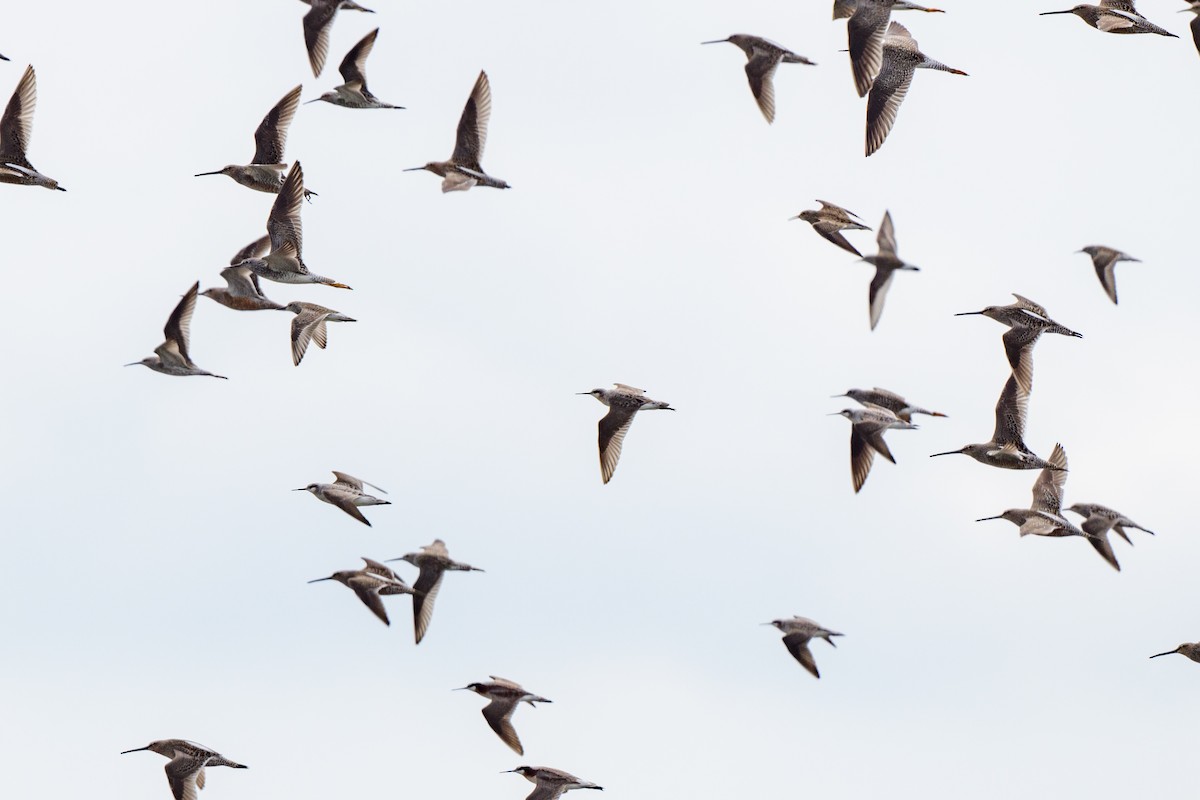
623	404
433	560
1114	16
505	696
763	57
797	633
309	325
369	583
462	170
886	262
242	292
346	492
1028	322
866	439
888	400
1098	518
185	770
1105	259
171	357
354	92
284	263
265	173
1007	448
550	783
830	220
16	129
901	59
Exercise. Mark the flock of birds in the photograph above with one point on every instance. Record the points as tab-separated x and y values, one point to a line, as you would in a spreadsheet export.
884	57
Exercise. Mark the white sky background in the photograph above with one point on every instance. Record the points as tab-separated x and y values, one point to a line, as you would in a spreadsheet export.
156	558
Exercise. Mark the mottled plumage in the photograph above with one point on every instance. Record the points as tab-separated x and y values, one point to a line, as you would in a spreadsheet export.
433	560
763	57
185	770
797	632
346	492
623	404
463	170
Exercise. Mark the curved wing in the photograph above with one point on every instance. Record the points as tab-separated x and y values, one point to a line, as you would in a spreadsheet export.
426	588
498	714
354	65
305	327
270	137
1018	346
760	72
877	292
179	324
612	427
865	32
1048	488
16	126
1011	411
364	587
472	126
185	773
887	93
830	231
283	225
797	645
317	23
1106	270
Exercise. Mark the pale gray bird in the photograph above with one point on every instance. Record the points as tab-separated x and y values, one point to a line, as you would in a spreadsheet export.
901	59
346	492
1114	16
829	220
623	404
763	57
505	696
866	439
1105	259
172	357
354	92
797	632
369	583
185	770
433	560
1191	650
889	400
550	783
885	262
309	325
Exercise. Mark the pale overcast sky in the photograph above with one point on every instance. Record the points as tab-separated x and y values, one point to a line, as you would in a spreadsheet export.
156	558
